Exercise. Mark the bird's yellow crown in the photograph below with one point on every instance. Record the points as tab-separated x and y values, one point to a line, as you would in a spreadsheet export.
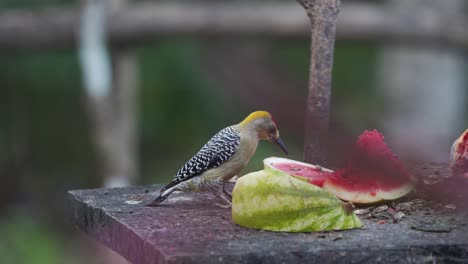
253	116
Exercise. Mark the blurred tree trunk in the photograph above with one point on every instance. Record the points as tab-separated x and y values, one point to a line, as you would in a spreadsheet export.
110	80
126	84
423	89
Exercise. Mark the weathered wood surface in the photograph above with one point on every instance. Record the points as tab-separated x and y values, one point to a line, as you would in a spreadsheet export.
189	228
57	28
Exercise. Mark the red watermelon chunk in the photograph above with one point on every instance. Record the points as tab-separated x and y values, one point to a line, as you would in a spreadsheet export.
459	156
373	173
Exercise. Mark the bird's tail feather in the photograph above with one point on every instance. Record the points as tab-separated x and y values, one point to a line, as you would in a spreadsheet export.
161	197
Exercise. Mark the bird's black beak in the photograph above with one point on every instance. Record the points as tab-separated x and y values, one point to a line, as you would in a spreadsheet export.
280	143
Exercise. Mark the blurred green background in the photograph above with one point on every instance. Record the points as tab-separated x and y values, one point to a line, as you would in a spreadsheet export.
45	145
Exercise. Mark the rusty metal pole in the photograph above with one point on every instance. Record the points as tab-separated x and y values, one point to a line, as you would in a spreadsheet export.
322	15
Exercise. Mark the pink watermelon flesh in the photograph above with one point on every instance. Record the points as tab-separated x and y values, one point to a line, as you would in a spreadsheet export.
462	147
461	163
372	168
316	176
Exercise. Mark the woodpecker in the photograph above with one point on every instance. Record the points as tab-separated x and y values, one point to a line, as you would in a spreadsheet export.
223	157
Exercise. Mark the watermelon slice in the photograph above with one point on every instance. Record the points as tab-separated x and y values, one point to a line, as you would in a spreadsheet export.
303	171
459	156
373	173
275	201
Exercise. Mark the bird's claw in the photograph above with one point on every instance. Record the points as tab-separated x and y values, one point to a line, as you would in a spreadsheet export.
228	194
224	206
226	197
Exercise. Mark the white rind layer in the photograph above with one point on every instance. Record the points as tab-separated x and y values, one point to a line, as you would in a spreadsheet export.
267	163
366	197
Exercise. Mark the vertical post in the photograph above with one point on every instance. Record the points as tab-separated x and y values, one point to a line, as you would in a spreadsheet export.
110	89
126	82
125	70
322	15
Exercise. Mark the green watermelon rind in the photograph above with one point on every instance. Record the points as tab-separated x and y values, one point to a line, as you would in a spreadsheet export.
275	201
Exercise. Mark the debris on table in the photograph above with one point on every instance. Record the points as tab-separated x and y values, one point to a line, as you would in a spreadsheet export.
431	225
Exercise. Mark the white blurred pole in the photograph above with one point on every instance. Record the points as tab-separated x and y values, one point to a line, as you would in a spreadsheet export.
424	89
110	88
94	56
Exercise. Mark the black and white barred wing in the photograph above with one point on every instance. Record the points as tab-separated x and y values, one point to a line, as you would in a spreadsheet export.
215	152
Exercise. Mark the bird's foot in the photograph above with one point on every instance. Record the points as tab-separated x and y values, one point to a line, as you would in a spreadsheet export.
234	179
225	197
227	194
224	206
